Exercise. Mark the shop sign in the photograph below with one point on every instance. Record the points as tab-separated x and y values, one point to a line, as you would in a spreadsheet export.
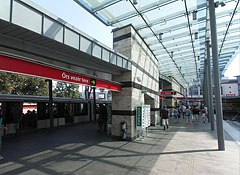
168	93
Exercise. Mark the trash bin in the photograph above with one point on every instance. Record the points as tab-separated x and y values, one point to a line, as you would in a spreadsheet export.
123	130
161	122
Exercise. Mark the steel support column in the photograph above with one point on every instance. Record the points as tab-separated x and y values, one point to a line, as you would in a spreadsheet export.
94	104
207	93
50	107
218	101
210	95
205	90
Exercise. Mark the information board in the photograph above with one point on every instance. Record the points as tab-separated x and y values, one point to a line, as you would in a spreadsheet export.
139	118
143	117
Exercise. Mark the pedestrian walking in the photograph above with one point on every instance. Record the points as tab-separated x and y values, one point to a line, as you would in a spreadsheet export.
184	111
175	115
165	117
188	115
206	110
102	119
179	113
203	113
195	112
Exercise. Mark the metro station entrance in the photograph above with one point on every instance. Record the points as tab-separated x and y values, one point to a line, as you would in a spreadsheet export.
61	111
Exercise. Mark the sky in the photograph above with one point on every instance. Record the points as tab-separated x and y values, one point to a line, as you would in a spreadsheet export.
75	15
234	68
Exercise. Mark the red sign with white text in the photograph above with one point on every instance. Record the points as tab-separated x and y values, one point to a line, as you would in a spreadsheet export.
161	98
16	65
168	93
230	95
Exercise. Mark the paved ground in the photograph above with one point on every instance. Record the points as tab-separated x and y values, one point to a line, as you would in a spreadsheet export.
180	150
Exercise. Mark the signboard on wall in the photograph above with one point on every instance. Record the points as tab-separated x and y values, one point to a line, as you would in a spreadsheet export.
101	96
17	65
168	93
230	95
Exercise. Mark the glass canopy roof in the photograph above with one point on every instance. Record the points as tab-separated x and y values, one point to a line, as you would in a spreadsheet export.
176	31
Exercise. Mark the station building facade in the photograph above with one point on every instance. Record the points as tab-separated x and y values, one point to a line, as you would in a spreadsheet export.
131	63
139	86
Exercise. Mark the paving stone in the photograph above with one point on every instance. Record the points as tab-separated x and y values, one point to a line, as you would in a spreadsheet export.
79	149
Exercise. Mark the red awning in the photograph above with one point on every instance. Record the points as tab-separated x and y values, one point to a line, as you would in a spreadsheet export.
16	65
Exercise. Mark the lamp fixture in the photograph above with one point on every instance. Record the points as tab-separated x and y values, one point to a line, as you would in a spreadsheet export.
222	4
160	36
135	2
219	3
138	79
196	35
194	15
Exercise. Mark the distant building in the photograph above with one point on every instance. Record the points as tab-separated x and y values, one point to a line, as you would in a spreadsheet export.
230	87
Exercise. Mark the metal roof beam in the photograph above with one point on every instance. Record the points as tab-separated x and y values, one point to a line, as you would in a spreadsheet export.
104	5
173	16
228	27
181	14
90	10
184	25
175	27
147	8
220	36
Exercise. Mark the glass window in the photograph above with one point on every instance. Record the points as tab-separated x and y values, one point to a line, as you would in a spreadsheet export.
97	51
119	61
113	58
105	55
85	45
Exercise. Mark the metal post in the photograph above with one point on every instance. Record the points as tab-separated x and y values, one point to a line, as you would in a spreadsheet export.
218	101
94	104
206	80
205	90
162	98
50	108
210	95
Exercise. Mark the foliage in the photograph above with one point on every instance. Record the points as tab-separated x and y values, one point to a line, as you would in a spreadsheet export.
22	85
67	90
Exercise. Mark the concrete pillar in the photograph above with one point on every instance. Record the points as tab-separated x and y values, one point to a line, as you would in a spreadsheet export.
144	75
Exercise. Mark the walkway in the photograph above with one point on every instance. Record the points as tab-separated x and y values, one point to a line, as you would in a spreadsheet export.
180	150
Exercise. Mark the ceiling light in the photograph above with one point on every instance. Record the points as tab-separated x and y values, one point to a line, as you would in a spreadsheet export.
135	2
160	36
172	54
196	35
138	79
222	4
194	15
